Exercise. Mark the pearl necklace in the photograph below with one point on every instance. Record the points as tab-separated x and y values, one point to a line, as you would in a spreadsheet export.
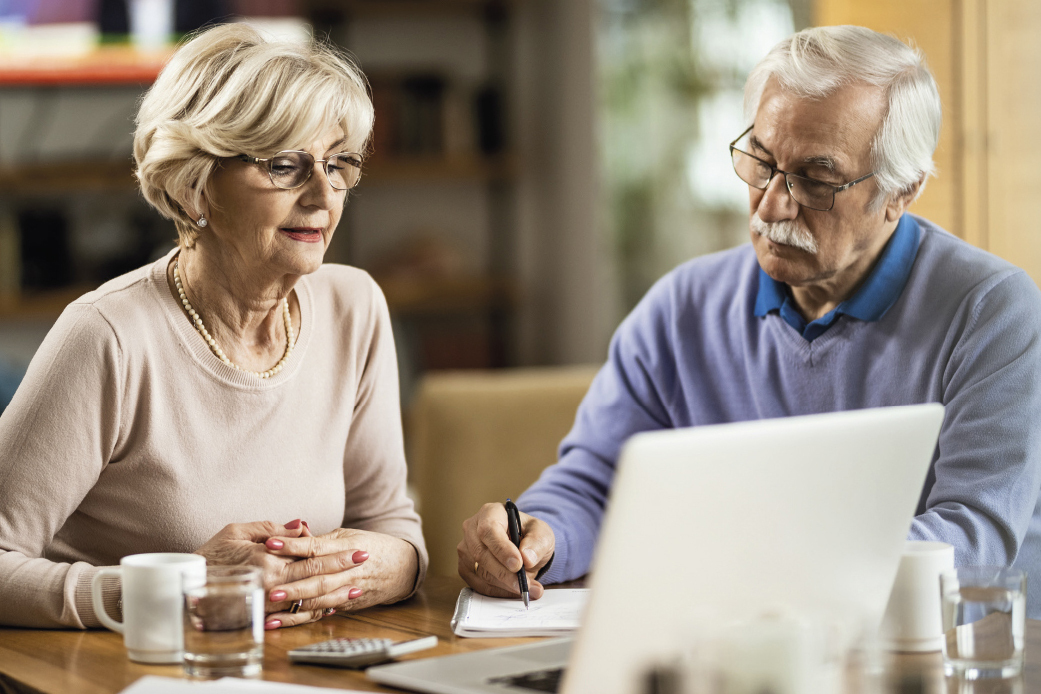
215	348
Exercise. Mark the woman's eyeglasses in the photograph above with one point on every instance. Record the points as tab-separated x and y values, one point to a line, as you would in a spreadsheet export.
292	168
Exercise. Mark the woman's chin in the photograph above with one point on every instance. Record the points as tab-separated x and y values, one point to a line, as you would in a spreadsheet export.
300	263
303	258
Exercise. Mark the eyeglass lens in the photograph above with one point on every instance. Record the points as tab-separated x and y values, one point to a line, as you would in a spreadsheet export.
292	169
805	191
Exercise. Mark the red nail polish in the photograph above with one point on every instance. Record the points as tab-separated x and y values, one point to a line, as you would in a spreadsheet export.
354	593
293	524
272	624
359	556
278	595
272	543
305	524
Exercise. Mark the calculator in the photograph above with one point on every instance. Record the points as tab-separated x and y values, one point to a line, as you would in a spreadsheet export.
358	653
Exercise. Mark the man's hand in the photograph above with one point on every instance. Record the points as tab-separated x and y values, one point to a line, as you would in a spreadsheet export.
344	570
489	562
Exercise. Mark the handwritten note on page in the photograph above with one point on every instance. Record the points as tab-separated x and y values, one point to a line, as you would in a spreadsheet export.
557	613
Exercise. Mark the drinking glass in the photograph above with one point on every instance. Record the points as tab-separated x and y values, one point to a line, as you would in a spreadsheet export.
224	623
984	612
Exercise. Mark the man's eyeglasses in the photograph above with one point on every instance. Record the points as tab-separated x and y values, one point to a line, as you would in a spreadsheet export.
292	168
816	195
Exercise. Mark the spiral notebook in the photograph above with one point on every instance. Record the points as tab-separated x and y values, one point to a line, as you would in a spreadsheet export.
557	613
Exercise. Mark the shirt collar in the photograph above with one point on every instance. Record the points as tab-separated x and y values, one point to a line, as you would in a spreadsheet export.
870	302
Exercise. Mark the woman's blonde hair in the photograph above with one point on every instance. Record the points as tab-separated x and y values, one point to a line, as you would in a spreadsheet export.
229	91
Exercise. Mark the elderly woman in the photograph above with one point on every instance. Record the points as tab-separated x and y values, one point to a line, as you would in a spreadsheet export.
189	405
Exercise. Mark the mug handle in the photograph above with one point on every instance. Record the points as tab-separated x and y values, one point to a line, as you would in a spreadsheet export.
95	594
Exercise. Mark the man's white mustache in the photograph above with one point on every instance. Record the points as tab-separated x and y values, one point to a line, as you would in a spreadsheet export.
786	233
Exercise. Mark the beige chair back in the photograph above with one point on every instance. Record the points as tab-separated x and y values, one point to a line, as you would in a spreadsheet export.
480	436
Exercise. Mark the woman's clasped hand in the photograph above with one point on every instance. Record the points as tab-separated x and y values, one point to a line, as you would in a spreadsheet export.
342	570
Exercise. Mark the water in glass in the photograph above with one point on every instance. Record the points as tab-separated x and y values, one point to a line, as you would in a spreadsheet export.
224	624
983	624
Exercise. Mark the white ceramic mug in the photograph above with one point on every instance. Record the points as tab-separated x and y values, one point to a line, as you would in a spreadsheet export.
912	622
153	603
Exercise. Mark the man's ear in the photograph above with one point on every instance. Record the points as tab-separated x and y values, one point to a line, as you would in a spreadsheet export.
898	204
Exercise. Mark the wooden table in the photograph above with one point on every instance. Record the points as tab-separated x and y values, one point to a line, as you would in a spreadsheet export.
95	662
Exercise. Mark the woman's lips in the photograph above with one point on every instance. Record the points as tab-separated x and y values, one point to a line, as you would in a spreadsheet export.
305	234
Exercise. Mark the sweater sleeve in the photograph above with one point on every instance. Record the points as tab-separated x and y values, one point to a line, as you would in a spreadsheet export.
629	395
987	472
56	438
374	460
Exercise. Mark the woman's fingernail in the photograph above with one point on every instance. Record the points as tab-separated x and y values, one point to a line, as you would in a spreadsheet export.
272	624
305	524
359	556
354	593
278	595
272	543
293	524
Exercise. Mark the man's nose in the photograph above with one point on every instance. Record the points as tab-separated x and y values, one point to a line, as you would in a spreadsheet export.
777	204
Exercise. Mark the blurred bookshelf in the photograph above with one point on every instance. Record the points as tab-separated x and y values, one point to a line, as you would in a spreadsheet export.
431	296
40	305
440	74
106	65
71	176
416	168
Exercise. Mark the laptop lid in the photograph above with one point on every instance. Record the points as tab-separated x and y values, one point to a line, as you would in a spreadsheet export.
717	524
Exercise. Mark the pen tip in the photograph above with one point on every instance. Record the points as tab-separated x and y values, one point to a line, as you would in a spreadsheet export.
525	595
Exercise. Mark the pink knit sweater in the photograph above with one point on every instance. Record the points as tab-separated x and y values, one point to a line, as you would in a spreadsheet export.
128	435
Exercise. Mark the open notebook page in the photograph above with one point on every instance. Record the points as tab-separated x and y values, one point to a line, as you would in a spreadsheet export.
557	613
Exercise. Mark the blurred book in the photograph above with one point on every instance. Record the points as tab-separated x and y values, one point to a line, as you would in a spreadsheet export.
490	115
44	242
419	115
428	115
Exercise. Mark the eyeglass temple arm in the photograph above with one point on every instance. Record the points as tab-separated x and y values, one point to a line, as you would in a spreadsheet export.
839	189
747	130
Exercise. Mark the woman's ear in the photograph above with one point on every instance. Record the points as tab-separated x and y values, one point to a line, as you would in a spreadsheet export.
191	211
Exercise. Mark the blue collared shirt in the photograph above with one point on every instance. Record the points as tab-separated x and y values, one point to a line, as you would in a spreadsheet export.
880	290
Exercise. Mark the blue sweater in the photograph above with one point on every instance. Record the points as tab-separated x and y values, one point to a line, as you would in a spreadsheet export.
965	332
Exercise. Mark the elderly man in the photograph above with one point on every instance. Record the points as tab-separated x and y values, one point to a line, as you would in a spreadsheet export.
842	301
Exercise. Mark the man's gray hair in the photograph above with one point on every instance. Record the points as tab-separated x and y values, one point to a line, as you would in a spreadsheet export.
814	63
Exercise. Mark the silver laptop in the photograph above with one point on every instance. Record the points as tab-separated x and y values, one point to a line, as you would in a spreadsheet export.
807	515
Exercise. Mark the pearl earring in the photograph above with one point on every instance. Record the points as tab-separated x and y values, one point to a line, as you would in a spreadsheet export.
202	222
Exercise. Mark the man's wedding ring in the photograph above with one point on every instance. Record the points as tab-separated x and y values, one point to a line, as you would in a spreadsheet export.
475	567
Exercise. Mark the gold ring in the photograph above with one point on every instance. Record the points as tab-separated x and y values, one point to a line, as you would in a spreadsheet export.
295	607
475	567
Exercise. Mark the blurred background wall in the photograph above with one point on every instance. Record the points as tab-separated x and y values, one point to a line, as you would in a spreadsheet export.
536	166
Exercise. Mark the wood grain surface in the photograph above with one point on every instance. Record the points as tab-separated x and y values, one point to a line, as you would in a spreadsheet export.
95	662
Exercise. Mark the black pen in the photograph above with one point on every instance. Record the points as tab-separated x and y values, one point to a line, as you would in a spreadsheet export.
513	518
